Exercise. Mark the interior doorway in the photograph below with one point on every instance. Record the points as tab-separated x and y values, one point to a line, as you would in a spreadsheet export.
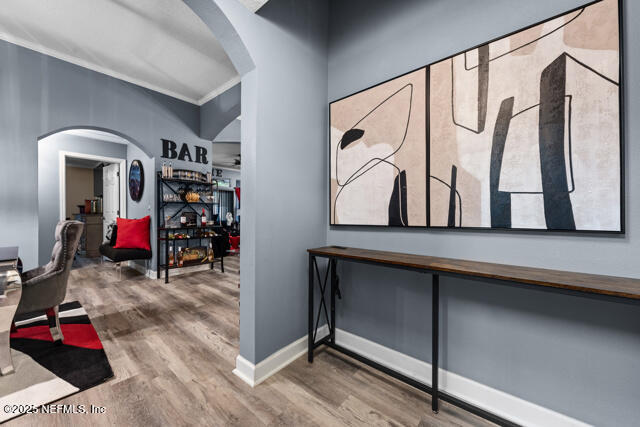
91	191
227	165
111	196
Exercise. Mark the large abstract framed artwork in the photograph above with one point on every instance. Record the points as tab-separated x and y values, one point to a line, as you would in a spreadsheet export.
524	132
378	155
521	133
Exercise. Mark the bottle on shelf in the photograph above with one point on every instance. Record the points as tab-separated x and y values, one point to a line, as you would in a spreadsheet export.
164	170
171	256
180	258
210	253
203	218
170	170
183	219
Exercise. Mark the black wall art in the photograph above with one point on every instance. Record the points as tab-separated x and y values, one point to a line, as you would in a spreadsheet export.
136	180
521	133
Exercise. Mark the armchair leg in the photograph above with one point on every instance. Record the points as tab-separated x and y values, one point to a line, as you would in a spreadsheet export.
54	324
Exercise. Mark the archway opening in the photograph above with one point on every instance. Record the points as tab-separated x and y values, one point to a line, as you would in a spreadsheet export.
83	174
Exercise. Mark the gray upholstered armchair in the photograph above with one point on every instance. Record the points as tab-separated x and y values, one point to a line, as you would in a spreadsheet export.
44	288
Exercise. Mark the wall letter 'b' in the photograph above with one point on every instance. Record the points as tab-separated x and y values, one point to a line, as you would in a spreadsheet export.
169	149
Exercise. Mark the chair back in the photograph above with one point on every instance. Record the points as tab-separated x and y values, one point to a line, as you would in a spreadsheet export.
67	237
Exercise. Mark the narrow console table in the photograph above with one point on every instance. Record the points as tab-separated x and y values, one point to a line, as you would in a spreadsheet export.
568	282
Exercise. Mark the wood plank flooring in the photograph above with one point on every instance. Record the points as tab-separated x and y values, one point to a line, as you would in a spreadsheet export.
173	347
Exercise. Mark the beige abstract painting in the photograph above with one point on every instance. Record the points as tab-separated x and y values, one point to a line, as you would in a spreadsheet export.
378	155
524	132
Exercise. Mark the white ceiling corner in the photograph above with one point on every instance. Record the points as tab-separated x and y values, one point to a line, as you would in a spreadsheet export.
220	89
158	44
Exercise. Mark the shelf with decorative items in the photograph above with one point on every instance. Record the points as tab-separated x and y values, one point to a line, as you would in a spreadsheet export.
187	205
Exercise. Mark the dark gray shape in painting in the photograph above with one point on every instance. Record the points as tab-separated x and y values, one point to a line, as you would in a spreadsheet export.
451	222
398	202
558	210
352	135
500	200
483	86
483	89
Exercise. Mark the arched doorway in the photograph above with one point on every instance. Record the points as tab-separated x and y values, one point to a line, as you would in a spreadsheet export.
82	174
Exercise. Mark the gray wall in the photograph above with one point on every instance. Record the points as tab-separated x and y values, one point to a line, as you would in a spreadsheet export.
146	205
40	95
219	112
281	54
576	355
231	133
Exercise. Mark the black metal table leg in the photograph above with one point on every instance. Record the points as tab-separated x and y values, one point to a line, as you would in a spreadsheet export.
334	287
435	320
166	258
310	352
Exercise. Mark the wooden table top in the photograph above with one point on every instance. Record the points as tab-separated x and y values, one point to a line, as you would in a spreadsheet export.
623	287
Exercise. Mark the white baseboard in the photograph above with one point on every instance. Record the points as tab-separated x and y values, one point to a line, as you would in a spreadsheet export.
255	374
495	401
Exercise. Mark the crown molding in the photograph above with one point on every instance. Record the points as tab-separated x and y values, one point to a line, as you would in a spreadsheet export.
112	73
220	89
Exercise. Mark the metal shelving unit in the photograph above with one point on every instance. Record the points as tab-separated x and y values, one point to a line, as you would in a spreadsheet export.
166	186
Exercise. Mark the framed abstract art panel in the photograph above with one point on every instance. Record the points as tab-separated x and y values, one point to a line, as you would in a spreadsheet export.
378	154
525	131
520	133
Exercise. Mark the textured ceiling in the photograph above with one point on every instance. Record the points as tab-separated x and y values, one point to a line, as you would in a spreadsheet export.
158	44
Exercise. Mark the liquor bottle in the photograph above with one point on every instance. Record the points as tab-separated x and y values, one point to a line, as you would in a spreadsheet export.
170	170
203	220
164	170
210	253
171	256
180	258
183	219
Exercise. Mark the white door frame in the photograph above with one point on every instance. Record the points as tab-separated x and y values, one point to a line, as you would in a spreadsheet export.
63	179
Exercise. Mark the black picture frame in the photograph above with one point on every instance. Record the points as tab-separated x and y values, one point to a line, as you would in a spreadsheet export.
621	90
136	180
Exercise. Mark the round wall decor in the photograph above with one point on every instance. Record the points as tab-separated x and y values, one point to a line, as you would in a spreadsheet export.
136	180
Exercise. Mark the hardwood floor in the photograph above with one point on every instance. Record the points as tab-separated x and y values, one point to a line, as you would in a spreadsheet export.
173	347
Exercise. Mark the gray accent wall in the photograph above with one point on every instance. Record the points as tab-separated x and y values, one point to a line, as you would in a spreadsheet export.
231	132
281	54
41	95
146	205
217	113
575	355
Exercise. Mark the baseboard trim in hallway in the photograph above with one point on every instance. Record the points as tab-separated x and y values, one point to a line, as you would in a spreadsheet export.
255	374
500	403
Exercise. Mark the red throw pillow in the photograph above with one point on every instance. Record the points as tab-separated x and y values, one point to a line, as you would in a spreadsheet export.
133	233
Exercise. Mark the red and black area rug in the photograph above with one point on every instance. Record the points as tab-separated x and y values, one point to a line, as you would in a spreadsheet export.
46	371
